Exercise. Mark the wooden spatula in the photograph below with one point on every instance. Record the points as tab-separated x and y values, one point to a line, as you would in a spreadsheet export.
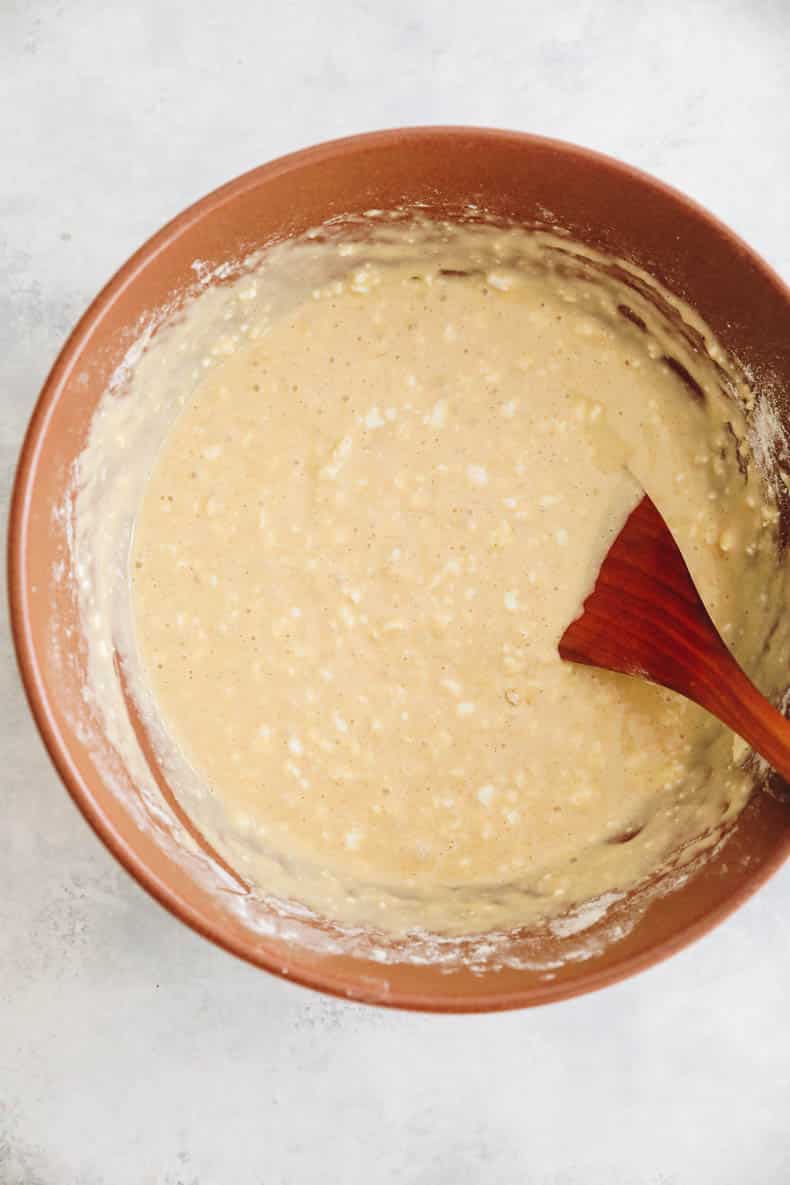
645	617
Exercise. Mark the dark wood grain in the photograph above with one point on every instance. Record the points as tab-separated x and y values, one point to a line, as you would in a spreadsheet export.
645	618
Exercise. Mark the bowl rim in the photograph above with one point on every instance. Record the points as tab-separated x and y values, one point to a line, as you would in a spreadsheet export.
31	676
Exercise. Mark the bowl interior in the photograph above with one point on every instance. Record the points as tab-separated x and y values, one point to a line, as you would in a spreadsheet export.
512	176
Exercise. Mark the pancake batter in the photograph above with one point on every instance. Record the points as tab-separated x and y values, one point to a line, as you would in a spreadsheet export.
359	544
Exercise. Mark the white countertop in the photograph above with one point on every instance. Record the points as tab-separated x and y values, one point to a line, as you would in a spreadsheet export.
131	1051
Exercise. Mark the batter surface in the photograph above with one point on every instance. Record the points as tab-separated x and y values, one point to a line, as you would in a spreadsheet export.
360	542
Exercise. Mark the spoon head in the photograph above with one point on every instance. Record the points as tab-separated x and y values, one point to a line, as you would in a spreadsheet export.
644	616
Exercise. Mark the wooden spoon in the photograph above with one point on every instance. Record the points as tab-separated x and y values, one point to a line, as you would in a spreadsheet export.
645	617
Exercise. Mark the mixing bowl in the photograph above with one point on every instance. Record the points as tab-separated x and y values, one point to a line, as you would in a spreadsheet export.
513	177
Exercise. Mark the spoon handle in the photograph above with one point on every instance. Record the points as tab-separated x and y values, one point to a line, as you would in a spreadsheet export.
725	690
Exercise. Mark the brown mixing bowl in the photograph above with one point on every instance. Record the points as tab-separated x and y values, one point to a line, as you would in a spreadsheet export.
600	201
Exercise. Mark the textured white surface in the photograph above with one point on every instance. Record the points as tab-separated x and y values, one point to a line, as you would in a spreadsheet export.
132	1052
